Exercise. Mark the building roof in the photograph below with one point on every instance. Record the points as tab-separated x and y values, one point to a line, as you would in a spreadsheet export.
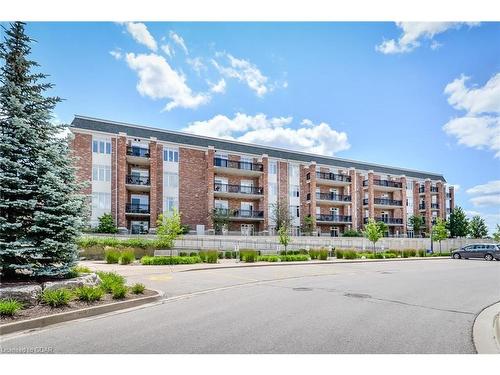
139	131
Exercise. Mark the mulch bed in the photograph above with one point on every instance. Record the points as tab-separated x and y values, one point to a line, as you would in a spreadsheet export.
44	310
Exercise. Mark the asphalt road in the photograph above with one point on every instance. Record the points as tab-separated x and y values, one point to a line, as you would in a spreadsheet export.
423	306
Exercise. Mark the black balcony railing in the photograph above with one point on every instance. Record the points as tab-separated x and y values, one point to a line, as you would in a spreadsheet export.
386	220
138	151
131	179
434	189
251	214
135	208
385	183
387	202
434	205
227	188
332	177
331	197
421	189
334	218
244	165
421	206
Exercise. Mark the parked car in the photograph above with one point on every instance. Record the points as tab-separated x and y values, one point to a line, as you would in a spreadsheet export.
488	251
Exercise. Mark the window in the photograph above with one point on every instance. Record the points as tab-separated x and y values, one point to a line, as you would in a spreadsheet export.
101	201
294	171
171	155
101	173
171	203
101	146
294	190
273	188
171	179
221	204
273	167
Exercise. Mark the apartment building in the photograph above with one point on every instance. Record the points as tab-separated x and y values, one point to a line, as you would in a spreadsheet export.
137	172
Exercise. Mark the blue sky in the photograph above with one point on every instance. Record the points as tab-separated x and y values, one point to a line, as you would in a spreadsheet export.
418	95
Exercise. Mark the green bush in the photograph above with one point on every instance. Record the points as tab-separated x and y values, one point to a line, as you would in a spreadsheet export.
138	288
220	255
111	255
127	256
339	254
109	280
294	258
366	255
443	254
352	233
390	255
57	298
323	254
350	254
107	224
203	256
314	254
228	255
422	253
9	307
119	291
183	254
77	271
209	256
193	254
167	260
248	256
89	293
378	256
268	258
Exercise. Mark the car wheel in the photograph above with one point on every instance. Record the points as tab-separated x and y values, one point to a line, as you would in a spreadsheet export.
488	257
456	256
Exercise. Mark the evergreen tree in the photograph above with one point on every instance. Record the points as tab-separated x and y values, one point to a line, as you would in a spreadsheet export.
477	227
107	224
458	224
496	234
40	210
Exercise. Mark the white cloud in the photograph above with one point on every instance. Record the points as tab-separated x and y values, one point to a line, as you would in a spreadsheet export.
480	126
413	32
177	39
197	64
486	200
244	71
259	129
116	53
492	187
158	80
169	51
140	33
219	87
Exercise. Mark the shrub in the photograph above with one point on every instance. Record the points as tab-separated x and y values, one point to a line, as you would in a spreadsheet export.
119	291
390	255
107	224
350	254
183	254
268	258
391	251
137	288
228	255
110	279
209	256
366	255
220	255
57	298
378	256
111	255
185	229
166	260
314	254
248	256
352	233
422	253
9	307
77	271
89	293
323	254
339	254
294	258
193	254
127	257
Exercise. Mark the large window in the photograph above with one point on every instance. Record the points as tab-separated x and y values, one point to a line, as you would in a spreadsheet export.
171	155
101	173
273	188
294	190
273	167
171	203
171	179
101	201
101	146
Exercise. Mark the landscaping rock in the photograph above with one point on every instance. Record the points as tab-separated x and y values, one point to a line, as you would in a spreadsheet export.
27	294
90	279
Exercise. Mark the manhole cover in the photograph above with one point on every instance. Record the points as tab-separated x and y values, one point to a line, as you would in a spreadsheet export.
302	289
357	295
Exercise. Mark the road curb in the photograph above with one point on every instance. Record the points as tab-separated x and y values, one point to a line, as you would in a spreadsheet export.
279	264
486	330
45	321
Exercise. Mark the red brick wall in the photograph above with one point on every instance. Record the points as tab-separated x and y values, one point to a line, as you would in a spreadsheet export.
193	190
81	147
283	182
114	186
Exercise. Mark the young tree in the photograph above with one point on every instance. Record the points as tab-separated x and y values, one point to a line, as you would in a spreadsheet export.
40	210
107	224
417	222
439	231
220	219
477	227
374	231
496	234
458	224
308	227
168	229
281	215
284	236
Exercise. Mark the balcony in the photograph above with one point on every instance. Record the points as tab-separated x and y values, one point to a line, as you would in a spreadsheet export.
138	155
333	218
384	185
330	179
137	183
241	215
421	190
386	220
434	189
384	203
331	198
238	191
434	206
137	209
421	206
238	168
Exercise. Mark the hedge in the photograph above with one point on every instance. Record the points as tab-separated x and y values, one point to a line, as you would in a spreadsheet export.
165	260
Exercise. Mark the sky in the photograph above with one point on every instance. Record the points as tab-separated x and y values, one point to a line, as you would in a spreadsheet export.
423	96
